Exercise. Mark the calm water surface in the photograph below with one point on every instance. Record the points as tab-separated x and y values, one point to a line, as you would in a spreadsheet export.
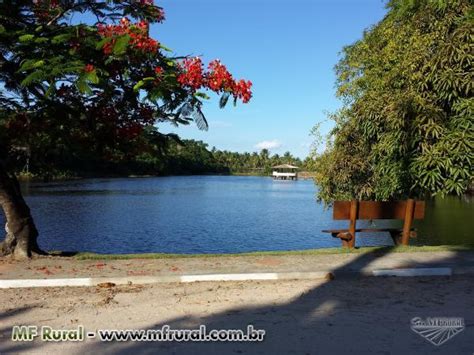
207	214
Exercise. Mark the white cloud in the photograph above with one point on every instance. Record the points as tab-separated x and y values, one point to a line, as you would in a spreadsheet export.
273	144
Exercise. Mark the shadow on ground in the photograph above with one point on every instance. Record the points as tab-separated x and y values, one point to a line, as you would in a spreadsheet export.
364	315
332	318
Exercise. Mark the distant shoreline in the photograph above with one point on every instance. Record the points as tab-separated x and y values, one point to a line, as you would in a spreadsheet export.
304	175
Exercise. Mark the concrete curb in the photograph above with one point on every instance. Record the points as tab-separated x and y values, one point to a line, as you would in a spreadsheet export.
142	280
433	271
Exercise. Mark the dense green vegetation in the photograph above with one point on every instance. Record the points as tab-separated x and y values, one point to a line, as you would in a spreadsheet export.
194	157
254	163
406	127
151	153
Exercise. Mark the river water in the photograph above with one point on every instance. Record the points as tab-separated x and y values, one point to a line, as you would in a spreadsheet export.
209	214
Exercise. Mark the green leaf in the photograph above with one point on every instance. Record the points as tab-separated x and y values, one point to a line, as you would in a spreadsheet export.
92	77
51	88
61	38
102	42
31	64
165	48
34	77
202	95
121	44
41	40
223	100
83	87
2	29
138	85
109	60
26	38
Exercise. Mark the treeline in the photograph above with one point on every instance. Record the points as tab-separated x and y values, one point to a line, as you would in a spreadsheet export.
195	157
152	153
92	147
254	163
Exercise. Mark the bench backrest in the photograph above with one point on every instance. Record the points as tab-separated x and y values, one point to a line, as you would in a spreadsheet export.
377	210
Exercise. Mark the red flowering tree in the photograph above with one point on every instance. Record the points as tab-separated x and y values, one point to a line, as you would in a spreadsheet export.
92	82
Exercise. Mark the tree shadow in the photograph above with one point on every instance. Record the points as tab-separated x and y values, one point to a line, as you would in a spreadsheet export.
6	344
359	315
330	318
63	253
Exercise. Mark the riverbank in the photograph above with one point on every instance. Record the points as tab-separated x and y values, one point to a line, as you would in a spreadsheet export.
321	251
167	268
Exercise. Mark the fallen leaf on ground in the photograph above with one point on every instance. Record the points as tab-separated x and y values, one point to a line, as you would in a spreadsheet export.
106	285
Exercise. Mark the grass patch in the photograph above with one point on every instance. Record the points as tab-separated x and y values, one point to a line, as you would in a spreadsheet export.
324	251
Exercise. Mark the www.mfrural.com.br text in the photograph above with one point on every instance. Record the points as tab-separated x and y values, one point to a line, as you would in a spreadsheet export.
25	333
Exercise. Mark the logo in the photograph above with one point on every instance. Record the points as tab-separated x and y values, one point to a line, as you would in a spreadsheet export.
437	330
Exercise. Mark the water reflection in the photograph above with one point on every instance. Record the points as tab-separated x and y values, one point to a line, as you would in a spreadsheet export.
448	220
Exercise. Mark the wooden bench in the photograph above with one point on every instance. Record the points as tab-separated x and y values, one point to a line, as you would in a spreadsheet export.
372	210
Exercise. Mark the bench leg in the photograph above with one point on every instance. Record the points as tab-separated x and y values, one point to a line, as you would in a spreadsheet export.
409	212
353	214
346	244
345	239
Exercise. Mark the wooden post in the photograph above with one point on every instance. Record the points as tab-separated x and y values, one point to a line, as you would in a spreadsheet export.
352	223
409	212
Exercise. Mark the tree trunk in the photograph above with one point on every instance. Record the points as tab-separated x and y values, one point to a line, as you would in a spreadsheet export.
20	240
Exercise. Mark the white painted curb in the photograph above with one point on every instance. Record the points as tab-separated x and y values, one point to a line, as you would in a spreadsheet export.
230	277
45	283
140	280
435	271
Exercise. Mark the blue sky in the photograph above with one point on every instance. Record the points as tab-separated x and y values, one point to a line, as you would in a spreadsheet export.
286	48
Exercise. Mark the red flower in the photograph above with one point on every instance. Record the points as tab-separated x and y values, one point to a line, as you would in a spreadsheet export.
192	73
242	90
219	78
89	68
158	70
138	33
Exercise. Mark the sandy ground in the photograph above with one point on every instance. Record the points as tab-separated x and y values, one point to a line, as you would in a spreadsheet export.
342	316
63	267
